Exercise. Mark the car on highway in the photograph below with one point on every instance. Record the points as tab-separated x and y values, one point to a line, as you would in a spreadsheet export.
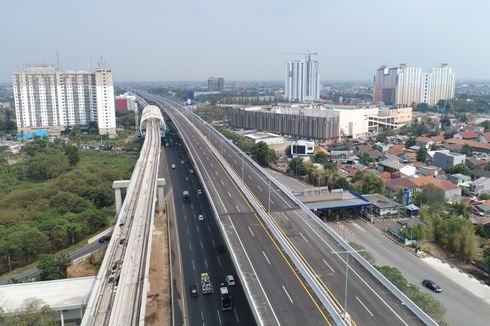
221	249
199	192
200	217
191	171
431	285
104	238
173	166
230	280
182	162
187	179
194	291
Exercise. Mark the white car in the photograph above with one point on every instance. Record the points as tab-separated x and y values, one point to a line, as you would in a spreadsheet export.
173	166
199	192
230	280
191	171
200	217
182	162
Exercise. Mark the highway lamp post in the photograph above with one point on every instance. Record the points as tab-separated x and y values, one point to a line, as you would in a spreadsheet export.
243	166
269	201
347	252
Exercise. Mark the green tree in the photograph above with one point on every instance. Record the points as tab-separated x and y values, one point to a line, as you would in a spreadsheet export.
486	256
33	313
297	167
422	154
53	267
484	196
410	142
445	123
365	159
423	107
372	185
263	154
486	125
467	150
429	195
321	158
459	209
459	168
72	153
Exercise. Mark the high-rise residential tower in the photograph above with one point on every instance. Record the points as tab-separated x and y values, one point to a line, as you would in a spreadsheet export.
303	80
405	85
216	84
48	98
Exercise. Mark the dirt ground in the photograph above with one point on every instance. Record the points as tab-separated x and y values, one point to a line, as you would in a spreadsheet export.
86	267
158	311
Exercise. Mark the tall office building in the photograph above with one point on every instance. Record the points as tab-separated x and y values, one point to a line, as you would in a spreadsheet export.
303	80
216	84
405	85
49	98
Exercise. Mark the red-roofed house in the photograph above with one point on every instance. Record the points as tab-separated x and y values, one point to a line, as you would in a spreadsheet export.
467	135
394	185
396	150
485	137
423	141
449	188
374	154
437	139
482	147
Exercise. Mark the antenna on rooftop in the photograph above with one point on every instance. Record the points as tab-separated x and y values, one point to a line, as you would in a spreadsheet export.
100	62
57	59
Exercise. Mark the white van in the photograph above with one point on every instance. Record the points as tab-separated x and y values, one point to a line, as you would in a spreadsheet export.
173	166
230	280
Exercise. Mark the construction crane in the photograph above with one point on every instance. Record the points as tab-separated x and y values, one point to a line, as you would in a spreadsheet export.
307	54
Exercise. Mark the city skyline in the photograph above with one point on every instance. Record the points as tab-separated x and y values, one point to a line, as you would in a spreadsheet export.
352	38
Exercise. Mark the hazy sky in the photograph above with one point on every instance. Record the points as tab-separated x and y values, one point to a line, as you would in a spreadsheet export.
244	39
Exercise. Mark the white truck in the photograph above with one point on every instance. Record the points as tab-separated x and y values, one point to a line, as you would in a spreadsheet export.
206	285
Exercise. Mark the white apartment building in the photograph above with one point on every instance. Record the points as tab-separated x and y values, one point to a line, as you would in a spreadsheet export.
405	85
51	99
303	80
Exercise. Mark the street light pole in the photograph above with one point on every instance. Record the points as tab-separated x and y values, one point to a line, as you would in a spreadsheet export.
269	195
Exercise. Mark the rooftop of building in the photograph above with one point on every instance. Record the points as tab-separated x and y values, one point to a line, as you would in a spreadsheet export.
399	183
261	135
381	201
58	295
338	198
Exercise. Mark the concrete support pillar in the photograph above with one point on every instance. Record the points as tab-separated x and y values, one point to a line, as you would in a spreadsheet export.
160	195
117	186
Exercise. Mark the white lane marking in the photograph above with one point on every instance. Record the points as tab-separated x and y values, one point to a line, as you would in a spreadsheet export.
210	164
214	244
206	263
185	218
219	262
287	294
272	202
257	186
241	245
216	172
222	183
193	265
197	228
249	177
229	194
202	316
362	303
328	265
253	235
353	270
202	246
263	253
209	229
187	230
190	247
219	317
192	207
301	234
237	208
236	315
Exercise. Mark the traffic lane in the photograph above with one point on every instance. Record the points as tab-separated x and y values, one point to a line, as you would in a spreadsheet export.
297	307
203	308
462	305
362	302
302	227
207	238
363	293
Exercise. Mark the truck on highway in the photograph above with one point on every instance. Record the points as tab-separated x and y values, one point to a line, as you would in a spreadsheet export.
185	195
206	285
225	298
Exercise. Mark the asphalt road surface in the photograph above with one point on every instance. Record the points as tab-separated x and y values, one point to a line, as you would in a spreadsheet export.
198	242
290	300
463	307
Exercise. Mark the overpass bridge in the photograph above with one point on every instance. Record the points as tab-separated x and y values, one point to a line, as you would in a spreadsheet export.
256	214
118	296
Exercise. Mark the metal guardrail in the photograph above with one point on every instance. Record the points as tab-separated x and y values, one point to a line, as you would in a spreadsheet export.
370	268
223	233
309	277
